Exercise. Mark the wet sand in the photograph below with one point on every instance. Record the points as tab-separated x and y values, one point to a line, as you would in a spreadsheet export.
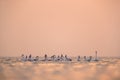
14	69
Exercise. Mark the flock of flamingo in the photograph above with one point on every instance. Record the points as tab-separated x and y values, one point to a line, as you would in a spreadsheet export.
57	58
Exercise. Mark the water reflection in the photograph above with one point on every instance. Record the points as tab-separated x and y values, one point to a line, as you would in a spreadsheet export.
105	69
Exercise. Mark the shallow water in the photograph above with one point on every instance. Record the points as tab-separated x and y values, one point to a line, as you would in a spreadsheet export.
12	68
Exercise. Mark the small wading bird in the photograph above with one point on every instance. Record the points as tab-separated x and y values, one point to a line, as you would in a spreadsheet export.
78	58
96	59
89	59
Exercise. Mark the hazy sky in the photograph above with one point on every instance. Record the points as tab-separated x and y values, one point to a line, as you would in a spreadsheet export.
73	27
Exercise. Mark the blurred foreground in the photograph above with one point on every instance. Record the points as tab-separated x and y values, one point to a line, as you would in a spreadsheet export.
105	69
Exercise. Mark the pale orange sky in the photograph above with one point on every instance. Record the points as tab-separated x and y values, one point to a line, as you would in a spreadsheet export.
73	27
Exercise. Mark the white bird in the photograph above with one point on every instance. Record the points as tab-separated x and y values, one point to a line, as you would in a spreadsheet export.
23	58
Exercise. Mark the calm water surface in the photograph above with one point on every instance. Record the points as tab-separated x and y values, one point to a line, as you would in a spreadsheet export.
11	68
